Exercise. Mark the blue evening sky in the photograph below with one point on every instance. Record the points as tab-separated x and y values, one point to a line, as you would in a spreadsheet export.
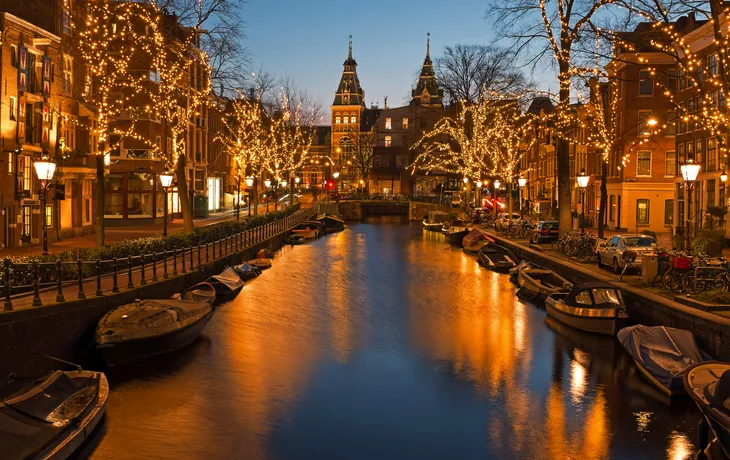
307	40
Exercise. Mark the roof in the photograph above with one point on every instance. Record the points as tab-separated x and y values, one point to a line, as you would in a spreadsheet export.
349	91
541	103
368	119
427	91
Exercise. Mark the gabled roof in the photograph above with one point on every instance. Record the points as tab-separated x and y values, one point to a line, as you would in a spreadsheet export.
427	90
349	91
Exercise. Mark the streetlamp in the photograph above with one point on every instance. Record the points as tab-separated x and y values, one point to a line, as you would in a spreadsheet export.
478	194
583	184
690	170
44	168
466	196
249	184
521	181
267	183
495	198
166	181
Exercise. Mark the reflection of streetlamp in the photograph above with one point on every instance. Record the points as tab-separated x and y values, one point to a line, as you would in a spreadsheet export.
521	181
249	184
690	170
166	181
583	183
267	183
44	168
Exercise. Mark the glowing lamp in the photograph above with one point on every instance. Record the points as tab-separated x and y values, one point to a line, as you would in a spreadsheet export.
249	181
336	174
479	184
690	170
166	178
521	181
466	179
45	168
107	159
497	183
652	122
297	180
723	176
267	182
283	183
583	179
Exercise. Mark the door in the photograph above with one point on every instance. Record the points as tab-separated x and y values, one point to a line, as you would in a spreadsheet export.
25	224
6	226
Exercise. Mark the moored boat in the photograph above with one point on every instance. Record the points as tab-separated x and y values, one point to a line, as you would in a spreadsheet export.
246	272
708	384
541	282
52	417
434	221
150	327
514	271
227	284
590	307
201	292
331	223
309	230
455	231
261	264
295	239
497	258
662	354
475	240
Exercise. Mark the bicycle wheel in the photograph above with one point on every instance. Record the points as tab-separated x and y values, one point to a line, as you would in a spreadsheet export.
677	281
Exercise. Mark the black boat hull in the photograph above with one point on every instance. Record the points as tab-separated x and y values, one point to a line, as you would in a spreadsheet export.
137	350
456	238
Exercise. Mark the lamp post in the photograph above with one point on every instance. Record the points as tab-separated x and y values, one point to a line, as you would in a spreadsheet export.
267	183
521	181
478	194
466	194
44	168
249	184
495	198
690	170
583	184
723	179
166	181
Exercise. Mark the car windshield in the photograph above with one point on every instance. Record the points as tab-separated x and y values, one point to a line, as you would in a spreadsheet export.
640	241
550	225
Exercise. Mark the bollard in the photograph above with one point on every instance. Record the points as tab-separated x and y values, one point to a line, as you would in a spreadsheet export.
82	294
8	303
130	283
115	288
182	260
142	281
164	264
154	267
36	279
59	281
174	262
99	292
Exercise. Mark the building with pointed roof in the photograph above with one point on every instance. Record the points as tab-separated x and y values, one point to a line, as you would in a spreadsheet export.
427	92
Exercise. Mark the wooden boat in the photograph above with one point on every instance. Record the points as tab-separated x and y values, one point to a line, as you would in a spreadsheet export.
261	264
331	223
150	327
52	417
295	239
202	292
434	221
708	384
246	272
455	231
309	230
515	271
590	307
662	354
265	254
227	284
475	240
497	258
541	282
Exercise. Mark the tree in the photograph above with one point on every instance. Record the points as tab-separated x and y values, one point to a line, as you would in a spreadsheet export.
553	28
359	152
466	71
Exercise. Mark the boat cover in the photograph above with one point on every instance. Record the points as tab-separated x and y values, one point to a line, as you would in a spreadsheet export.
229	278
664	352
247	271
600	295
203	292
474	236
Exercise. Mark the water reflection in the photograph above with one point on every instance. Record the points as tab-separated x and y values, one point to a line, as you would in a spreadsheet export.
383	342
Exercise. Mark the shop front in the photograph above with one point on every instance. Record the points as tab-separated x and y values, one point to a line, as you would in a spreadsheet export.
134	197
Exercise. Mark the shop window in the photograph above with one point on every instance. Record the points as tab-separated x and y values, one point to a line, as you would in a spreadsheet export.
114	200
642	211
669	212
139	194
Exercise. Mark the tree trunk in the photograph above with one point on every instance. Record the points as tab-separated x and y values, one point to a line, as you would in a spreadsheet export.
563	156
509	197
291	191
254	198
604	200
182	193
100	197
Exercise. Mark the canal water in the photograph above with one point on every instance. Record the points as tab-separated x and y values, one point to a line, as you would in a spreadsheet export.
383	342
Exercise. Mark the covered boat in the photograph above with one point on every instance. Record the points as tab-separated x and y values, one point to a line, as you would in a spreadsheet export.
52	417
246	272
261	264
150	327
541	282
227	284
295	239
590	307
202	292
331	223
662	354
455	231
708	384
434	221
497	258
309	230
265	254
475	240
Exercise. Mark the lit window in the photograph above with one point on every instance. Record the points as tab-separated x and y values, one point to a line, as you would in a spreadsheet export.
388	141
13	108
49	215
11	161
671	164
642	211
643	165
646	83
712	64
337	120
405	123
353	119
388	123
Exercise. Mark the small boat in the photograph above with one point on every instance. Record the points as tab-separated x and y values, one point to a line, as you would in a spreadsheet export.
309	230
331	223
295	239
265	254
590	307
708	384
434	221
202	292
541	282
514	271
52	417
261	264
497	258
246	272
662	354
475	240
150	327
227	284
455	231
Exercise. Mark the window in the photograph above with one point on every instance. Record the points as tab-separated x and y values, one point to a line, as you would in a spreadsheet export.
385	161
114	199
388	141
14	55
682	80
712	64
699	158
672	83
388	123
399	162
682	118
376	161
669	212
691	151
646	83
13	107
644	127
612	208
711	154
643	164
671	164
353	119
405	123
671	123
66	22
337	120
49	215
682	157
713	99
67	84
642	211
711	192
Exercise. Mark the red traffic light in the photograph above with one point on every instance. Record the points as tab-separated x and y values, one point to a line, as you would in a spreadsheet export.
330	184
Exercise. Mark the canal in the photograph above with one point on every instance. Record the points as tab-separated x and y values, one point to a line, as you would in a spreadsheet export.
382	342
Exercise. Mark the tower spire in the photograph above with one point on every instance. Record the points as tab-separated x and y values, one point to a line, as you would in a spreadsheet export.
350	53
428	45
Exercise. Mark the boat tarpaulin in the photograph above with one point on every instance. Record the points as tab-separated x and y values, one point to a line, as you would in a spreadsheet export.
229	278
474	236
666	353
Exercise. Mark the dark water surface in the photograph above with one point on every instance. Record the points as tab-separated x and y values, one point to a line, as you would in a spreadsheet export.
382	342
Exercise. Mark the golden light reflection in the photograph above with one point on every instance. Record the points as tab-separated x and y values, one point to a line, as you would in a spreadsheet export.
577	382
679	446
642	421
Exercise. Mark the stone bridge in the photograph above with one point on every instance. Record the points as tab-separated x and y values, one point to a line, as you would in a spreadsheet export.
361	209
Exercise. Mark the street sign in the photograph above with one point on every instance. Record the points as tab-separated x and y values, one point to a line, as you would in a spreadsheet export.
59	192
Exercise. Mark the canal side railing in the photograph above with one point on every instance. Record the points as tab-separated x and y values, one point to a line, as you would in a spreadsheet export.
81	279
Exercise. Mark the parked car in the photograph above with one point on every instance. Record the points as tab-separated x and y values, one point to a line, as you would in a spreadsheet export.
503	219
612	253
545	232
